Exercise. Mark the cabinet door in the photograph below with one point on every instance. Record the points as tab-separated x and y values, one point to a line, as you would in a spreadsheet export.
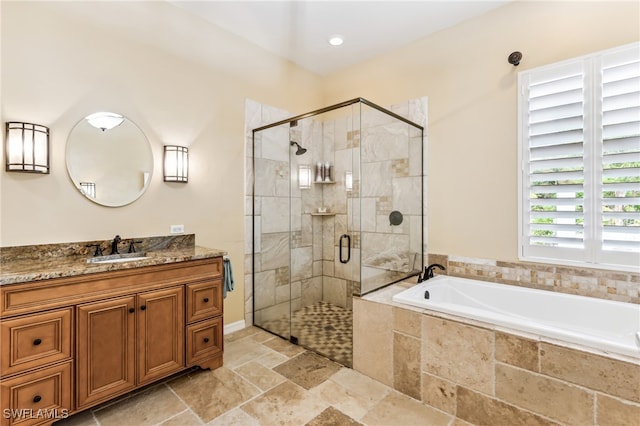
160	316
105	349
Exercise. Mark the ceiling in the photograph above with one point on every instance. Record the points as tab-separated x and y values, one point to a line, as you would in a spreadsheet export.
299	30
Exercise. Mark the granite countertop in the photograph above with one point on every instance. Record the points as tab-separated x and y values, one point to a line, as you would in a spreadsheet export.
34	263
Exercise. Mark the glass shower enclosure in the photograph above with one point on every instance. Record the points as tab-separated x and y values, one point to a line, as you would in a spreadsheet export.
337	212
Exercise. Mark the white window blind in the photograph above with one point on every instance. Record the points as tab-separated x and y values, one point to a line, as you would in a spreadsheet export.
579	148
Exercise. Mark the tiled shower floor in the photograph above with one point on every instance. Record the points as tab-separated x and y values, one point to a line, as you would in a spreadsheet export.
321	327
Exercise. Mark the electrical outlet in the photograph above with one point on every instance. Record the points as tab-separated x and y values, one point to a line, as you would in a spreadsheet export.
176	229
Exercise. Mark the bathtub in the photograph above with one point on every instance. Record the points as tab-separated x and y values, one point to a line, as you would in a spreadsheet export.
608	326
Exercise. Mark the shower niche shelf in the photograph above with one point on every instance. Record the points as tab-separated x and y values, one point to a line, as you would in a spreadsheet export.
323	214
324	182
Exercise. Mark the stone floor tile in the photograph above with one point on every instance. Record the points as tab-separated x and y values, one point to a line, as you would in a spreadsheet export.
350	403
212	393
271	359
333	417
148	407
259	375
398	409
360	384
235	417
308	369
186	418
81	419
286	404
282	346
241	351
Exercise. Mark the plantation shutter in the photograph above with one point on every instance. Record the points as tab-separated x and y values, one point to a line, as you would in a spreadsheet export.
620	127
579	129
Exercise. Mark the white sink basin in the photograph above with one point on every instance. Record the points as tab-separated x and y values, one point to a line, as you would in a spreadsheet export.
118	258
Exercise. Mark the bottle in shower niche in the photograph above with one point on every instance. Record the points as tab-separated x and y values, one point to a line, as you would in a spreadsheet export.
327	172
319	170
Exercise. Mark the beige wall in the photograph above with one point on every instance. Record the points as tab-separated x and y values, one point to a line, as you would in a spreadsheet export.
184	82
190	91
472	166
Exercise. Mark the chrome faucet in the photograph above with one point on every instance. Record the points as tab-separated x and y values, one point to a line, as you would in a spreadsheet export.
428	271
114	244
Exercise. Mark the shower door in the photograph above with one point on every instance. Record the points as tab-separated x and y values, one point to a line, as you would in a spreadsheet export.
272	290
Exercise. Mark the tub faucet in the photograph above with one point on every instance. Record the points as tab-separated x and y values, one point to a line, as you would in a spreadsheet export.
428	271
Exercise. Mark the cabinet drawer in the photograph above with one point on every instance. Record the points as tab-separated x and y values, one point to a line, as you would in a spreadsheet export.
36	397
204	300
35	340
204	340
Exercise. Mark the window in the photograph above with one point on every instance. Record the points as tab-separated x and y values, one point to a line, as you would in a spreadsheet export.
579	150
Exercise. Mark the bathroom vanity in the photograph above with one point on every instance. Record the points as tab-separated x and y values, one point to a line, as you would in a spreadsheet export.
81	333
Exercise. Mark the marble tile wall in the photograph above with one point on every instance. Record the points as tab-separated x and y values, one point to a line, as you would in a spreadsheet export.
600	283
487	376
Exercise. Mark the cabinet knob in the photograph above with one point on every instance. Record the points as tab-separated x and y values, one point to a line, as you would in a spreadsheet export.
132	310
206	299
37	342
143	307
37	398
206	340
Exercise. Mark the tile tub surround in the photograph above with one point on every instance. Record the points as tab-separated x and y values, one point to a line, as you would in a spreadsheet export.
484	375
21	264
600	283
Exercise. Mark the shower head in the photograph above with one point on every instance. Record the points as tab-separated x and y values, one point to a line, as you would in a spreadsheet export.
300	149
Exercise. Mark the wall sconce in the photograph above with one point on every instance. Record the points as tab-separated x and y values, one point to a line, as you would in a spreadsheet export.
348	181
105	120
176	163
27	148
304	176
88	189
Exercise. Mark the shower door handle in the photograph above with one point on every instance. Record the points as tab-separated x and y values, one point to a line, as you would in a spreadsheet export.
342	237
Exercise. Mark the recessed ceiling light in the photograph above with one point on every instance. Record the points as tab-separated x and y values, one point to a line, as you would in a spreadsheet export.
336	40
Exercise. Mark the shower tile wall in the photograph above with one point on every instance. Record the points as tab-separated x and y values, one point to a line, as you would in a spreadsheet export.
312	248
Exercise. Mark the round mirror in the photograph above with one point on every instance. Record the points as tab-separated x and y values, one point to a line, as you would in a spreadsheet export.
109	159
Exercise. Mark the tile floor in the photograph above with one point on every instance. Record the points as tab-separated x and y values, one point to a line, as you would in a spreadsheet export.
322	327
265	380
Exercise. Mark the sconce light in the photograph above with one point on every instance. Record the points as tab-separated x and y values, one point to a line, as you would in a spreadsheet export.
304	176
105	120
88	189
27	148
176	163
348	181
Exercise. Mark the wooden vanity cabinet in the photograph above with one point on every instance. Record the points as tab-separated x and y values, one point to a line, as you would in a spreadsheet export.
113	334
102	335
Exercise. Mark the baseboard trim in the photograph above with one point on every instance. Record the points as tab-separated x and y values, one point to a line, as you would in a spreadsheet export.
234	326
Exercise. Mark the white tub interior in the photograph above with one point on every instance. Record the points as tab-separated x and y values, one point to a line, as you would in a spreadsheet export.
601	324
